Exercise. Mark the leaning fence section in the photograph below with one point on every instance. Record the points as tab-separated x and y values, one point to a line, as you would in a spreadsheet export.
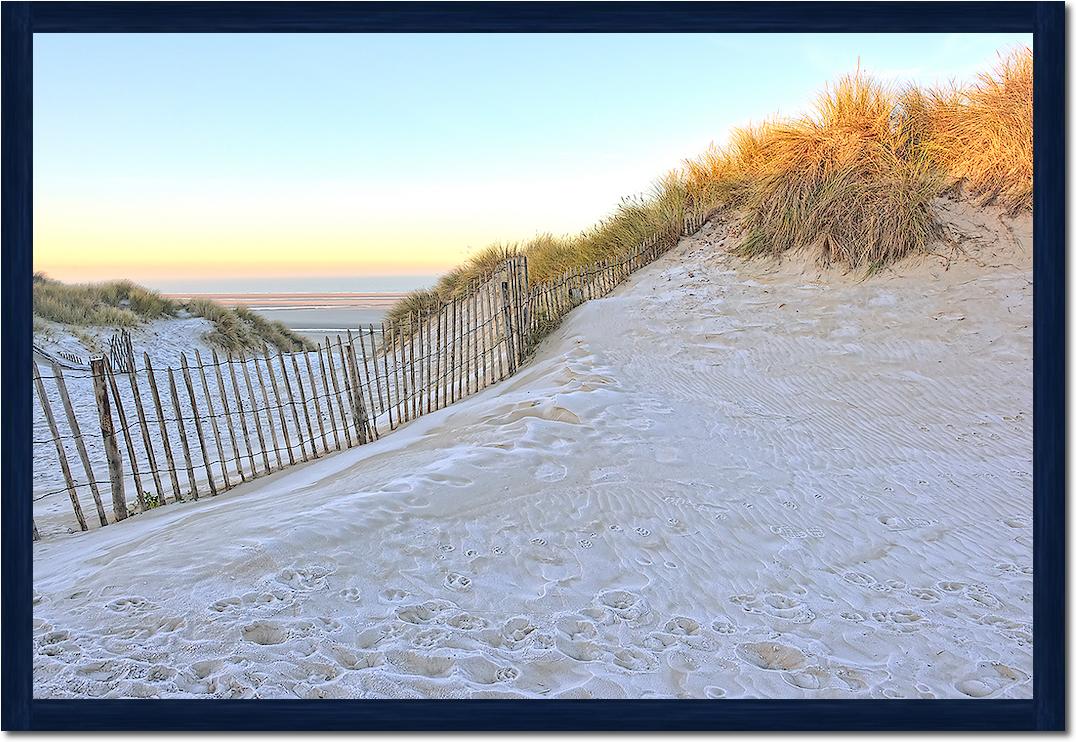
123	436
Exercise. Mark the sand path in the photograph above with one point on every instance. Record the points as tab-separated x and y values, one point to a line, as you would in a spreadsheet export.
724	480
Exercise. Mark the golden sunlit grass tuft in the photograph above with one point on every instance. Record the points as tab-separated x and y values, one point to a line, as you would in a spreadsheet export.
981	136
848	182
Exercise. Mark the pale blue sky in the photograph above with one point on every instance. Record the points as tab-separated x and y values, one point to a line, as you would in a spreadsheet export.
395	153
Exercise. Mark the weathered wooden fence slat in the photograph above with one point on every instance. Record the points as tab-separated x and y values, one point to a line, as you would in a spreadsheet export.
306	408
108	436
57	439
254	411
279	408
291	403
211	413
268	413
243	417
187	459
147	441
80	444
229	423
371	381
197	423
336	390
328	396
128	438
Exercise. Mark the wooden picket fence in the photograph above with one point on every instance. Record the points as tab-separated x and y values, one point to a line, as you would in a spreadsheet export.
182	433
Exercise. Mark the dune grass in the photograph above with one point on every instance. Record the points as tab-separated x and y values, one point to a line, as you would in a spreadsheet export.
636	219
853	183
849	183
126	304
981	136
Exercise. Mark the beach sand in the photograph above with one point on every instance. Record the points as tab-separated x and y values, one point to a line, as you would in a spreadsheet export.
726	479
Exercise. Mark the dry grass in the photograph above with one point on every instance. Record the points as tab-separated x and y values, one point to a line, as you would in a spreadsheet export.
549	256
854	182
126	304
981	136
849	183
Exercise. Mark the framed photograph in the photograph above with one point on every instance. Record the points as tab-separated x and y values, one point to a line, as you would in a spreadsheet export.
533	366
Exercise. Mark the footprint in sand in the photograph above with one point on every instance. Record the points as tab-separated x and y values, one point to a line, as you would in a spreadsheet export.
423	613
988	679
264	633
772	656
129	605
810	678
457	582
393	595
467	622
429	638
550	472
351	594
313	577
624	605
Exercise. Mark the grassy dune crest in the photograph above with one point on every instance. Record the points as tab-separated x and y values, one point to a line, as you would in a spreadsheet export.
849	182
854	182
126	304
548	256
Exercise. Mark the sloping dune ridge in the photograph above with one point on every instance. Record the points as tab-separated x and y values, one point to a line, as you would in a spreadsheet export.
727	479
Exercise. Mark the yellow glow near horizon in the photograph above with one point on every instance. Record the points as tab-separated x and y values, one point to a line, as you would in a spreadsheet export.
145	230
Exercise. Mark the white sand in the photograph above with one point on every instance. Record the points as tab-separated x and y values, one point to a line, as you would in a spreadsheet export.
725	480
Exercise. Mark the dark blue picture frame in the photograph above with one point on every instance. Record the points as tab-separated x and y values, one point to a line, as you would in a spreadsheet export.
1046	711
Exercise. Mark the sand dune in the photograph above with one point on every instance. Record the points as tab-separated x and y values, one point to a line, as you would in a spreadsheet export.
726	479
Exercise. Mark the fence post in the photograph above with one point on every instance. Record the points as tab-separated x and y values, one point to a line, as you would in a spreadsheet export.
108	435
416	402
317	403
361	420
336	391
371	381
510	350
188	460
242	419
211	413
328	398
80	444
306	407
385	364
151	457
128	438
279	408
197	423
228	419
155	393
268	409
291	400
254	411
60	453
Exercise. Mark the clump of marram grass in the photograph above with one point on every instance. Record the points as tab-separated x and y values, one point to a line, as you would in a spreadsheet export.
848	183
115	303
241	329
981	136
126	304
